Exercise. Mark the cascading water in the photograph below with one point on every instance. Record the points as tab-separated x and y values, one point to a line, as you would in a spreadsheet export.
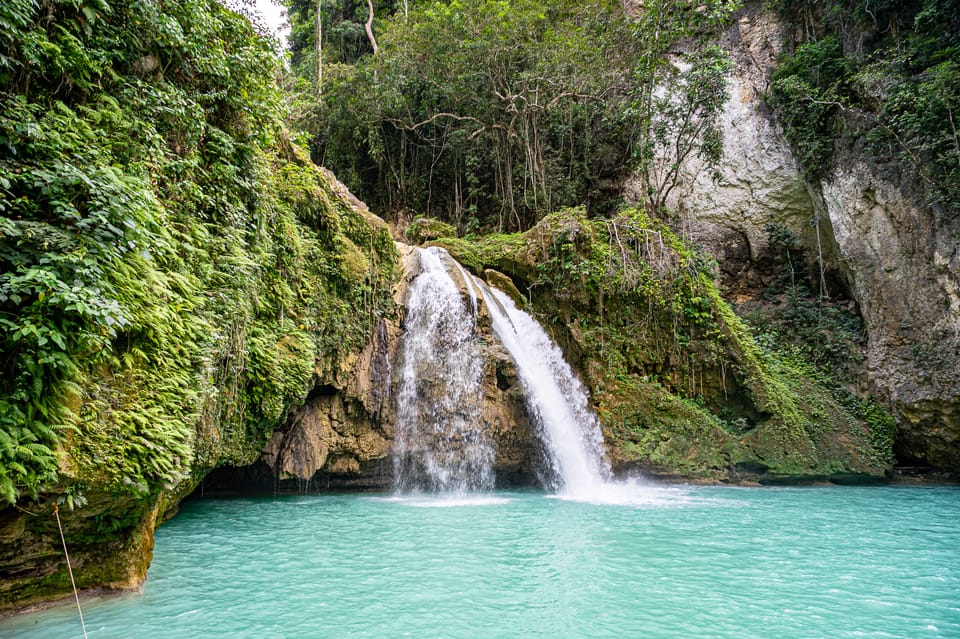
439	446
555	398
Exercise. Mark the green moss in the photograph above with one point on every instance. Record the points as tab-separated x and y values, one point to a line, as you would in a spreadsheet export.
678	378
646	422
424	229
175	274
477	253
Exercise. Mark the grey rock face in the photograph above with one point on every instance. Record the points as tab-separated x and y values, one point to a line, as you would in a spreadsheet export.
900	258
904	273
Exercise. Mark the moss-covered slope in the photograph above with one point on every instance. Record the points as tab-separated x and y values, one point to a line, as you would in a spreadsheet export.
680	384
175	275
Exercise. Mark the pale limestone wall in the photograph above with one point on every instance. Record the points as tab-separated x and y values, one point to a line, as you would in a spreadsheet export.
900	259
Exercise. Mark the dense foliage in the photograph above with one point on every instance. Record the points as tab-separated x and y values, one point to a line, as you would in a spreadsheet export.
884	76
489	114
171	269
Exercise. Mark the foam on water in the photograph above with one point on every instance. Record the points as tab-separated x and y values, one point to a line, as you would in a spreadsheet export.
629	492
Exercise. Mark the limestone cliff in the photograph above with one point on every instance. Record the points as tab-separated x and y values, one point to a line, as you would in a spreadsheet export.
868	235
725	209
904	272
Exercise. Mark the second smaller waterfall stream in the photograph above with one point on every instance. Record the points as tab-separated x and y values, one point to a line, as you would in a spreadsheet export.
556	399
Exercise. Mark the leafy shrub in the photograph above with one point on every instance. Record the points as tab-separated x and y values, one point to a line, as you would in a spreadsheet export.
171	267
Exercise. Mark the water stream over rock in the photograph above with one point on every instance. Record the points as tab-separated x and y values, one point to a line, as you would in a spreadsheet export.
556	400
441	445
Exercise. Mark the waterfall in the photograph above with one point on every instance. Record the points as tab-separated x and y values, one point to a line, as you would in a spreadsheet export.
439	445
556	399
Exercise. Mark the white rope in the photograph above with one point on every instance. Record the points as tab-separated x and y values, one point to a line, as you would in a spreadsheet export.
56	511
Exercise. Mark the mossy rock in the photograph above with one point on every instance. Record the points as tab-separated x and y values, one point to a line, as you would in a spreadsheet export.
504	283
425	229
678	378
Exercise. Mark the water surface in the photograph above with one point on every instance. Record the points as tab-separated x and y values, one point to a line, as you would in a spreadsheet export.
669	562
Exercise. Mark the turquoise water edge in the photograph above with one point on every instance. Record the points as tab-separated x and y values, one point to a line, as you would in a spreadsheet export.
666	562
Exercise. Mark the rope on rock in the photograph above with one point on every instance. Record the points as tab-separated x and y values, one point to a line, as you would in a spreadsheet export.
56	512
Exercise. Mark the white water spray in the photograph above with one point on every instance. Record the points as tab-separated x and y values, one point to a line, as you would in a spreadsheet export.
439	446
556	399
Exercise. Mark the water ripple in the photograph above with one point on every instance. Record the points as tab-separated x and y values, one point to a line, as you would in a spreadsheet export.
665	563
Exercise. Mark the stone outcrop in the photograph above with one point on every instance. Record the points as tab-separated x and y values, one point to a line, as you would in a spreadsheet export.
904	270
680	385
345	426
505	284
329	433
110	541
896	257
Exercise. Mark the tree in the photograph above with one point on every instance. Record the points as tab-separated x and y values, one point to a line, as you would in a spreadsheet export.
485	109
368	26
489	113
329	29
680	89
886	76
319	48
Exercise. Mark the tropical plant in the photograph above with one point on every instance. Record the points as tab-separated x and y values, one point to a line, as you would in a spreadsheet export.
489	114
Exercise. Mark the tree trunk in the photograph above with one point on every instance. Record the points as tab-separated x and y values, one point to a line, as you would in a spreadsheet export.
319	48
369	27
